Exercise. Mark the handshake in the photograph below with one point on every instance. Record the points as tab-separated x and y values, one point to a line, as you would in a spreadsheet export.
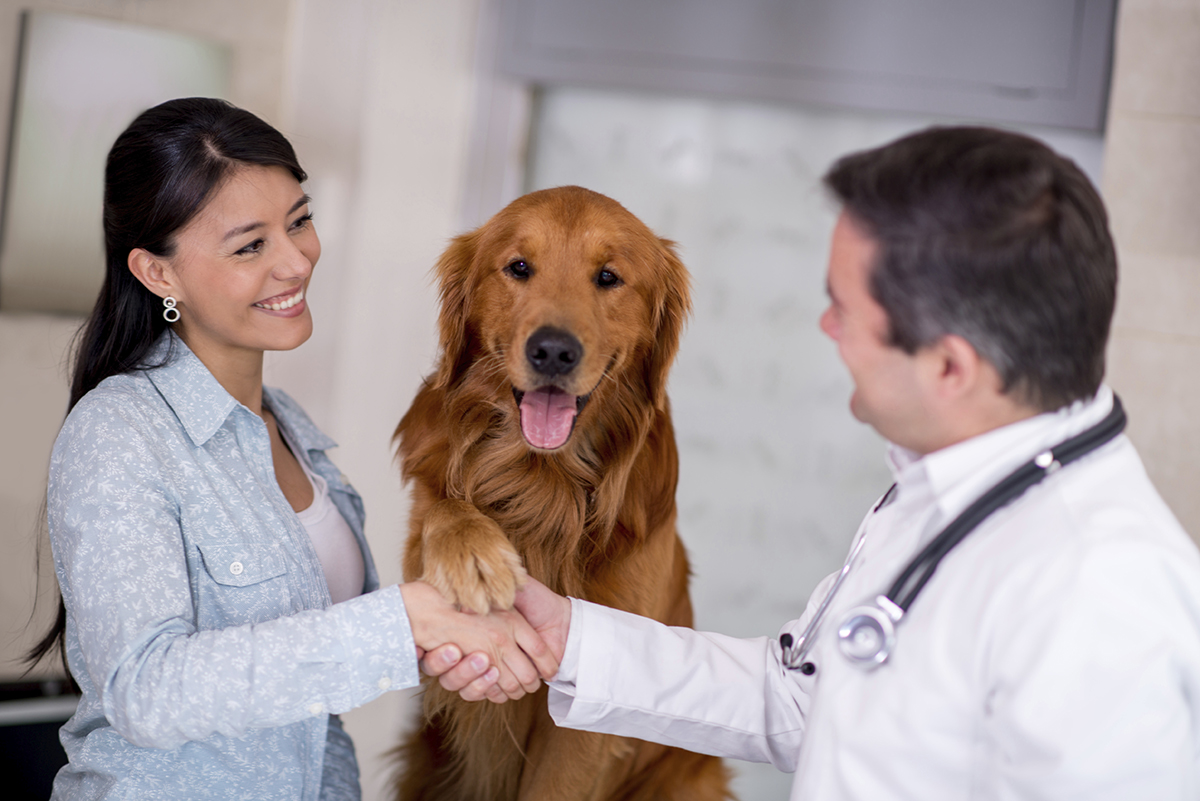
501	655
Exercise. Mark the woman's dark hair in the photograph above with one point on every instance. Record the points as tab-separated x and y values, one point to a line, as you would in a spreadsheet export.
994	237
160	173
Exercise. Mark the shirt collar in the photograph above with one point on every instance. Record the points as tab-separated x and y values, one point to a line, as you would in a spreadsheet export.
202	404
295	422
962	472
192	392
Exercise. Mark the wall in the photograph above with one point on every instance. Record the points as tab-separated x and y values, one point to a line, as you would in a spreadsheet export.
257	33
33	397
1152	187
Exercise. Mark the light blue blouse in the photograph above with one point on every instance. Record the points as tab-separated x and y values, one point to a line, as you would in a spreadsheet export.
199	625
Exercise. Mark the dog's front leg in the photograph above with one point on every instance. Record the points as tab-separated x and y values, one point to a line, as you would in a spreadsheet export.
468	559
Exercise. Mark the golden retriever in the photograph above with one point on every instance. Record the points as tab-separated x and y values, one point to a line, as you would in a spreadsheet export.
543	443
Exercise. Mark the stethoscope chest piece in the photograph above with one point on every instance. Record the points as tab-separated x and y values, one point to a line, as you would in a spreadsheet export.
868	633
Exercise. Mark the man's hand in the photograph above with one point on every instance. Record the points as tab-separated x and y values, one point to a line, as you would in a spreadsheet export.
517	654
547	613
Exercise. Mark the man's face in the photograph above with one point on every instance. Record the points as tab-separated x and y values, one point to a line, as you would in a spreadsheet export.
889	390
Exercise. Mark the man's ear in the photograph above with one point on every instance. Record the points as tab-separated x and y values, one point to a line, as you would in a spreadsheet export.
153	272
959	367
970	391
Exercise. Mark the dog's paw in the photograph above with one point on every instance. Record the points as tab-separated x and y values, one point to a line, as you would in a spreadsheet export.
469	560
478	583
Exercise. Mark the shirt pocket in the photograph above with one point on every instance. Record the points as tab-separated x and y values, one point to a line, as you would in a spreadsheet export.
241	582
241	564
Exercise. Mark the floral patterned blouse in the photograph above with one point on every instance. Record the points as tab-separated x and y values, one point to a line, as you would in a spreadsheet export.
199	626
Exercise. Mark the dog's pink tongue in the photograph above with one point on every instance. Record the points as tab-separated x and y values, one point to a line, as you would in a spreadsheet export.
546	417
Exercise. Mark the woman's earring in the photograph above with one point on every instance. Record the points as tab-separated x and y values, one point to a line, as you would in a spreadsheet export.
170	313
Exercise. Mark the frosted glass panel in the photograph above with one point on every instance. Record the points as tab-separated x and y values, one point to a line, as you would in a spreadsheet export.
82	80
775	474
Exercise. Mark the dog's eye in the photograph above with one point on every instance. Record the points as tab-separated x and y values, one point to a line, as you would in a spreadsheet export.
606	279
518	269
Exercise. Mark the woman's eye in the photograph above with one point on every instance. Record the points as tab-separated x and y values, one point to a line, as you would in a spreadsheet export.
607	279
302	222
253	247
518	269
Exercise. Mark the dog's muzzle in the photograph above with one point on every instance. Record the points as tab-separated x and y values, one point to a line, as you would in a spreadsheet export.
553	352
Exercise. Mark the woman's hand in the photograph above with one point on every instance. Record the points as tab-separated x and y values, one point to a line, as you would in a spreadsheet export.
547	613
517	655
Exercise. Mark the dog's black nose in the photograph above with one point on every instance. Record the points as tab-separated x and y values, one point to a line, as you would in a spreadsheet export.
552	351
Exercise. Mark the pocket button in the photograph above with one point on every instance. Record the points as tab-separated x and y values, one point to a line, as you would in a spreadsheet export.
236	568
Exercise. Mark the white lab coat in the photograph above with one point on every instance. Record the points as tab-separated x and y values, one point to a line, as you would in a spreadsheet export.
1055	654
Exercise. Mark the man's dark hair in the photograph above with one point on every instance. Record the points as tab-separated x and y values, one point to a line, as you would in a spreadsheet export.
994	237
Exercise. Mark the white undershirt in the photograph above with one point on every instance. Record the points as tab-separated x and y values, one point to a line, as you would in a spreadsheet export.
334	541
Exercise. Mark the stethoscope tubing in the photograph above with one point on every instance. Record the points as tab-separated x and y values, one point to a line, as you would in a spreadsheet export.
1005	492
803	644
882	616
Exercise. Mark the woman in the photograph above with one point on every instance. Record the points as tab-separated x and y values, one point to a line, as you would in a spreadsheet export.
220	603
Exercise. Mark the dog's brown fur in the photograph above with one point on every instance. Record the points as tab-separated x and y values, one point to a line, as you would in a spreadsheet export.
594	518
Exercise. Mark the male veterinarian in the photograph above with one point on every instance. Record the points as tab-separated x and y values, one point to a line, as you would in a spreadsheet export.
1055	652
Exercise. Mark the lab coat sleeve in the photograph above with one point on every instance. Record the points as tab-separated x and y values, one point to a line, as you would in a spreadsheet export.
629	675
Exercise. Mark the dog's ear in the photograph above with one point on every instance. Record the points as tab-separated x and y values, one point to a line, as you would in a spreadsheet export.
454	280
670	314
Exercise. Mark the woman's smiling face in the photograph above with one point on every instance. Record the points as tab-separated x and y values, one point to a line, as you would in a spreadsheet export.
241	267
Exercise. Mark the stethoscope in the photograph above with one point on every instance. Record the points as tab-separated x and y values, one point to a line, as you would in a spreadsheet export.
867	635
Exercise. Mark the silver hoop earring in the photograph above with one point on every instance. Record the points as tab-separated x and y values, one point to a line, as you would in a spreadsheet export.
170	313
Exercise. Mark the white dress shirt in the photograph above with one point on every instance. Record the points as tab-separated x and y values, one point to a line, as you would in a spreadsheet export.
1054	654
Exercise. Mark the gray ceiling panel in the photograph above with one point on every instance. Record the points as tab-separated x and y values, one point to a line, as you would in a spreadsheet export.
1022	61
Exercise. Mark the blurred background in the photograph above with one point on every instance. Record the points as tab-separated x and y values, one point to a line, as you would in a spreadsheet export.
712	120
